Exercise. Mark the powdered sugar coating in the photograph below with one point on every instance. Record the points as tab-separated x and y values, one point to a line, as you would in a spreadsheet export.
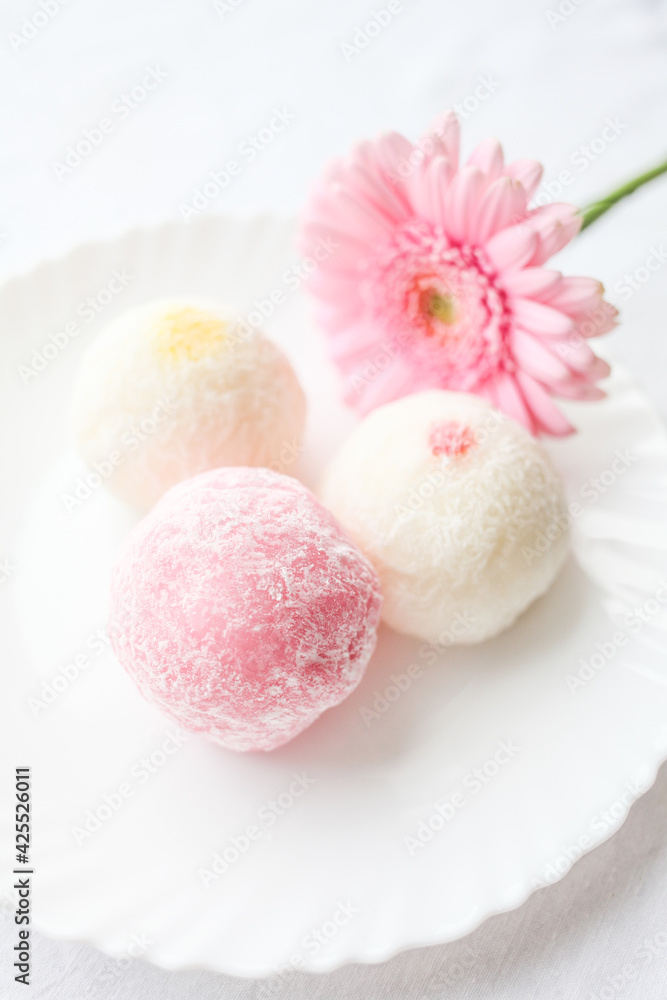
241	608
174	388
458	508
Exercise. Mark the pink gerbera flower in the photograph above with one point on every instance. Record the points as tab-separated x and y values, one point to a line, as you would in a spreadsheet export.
437	279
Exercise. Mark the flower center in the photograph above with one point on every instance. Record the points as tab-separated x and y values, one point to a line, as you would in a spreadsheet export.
443	307
440	306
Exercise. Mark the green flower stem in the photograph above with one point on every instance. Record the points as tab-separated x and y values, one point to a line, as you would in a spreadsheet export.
598	208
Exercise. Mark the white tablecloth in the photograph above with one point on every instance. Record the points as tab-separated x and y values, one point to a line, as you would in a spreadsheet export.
164	92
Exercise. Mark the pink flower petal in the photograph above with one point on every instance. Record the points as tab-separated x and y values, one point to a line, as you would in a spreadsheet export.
427	186
511	401
599	369
597	321
541	319
440	176
345	220
531	282
386	198
528	172
488	156
503	204
461	200
392	152
576	295
512	248
350	252
446	132
330	284
356	345
338	316
487	390
556	225
409	227
546	414
576	354
360	217
394	381
575	388
536	358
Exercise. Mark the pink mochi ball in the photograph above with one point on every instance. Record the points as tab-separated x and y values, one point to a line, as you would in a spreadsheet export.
242	609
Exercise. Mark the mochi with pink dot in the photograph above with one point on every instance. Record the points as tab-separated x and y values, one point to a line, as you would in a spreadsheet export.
458	508
242	609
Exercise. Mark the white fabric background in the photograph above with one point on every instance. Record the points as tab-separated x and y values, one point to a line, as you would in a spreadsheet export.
602	931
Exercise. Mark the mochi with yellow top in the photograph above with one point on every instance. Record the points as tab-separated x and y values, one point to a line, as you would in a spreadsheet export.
458	508
174	388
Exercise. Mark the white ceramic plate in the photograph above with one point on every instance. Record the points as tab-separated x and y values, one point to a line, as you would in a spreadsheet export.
506	769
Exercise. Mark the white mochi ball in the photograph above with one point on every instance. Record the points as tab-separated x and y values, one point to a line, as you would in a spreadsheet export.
171	389
458	508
